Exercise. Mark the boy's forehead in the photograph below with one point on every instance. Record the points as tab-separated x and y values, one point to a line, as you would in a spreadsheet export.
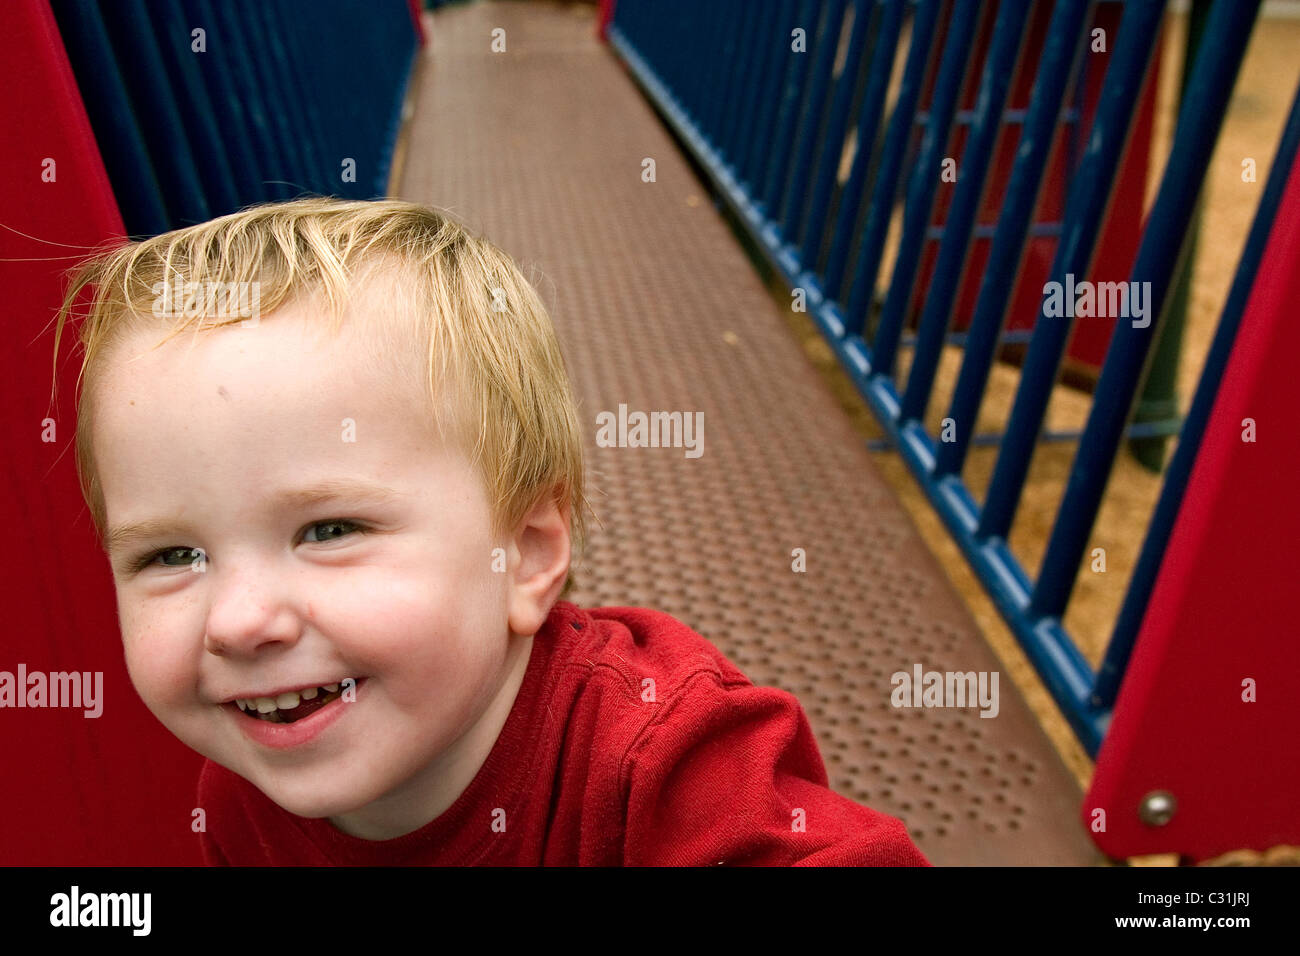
374	332
273	399
290	365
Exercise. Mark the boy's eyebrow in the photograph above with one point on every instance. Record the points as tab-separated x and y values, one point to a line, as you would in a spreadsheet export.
332	490
293	498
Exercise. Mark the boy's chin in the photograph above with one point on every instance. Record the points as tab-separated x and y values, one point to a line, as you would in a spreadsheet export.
308	800
313	806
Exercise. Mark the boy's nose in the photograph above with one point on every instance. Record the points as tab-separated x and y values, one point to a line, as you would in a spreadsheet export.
245	617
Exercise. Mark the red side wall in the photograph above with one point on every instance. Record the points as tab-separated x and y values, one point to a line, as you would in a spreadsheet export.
1223	612
118	789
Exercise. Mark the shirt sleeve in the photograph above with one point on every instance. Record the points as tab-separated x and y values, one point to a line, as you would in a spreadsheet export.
729	773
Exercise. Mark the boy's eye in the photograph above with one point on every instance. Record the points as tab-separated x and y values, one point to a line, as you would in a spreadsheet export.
331	530
183	556
168	558
317	533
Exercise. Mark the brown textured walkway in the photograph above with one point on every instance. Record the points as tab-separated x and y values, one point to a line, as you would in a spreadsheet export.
541	149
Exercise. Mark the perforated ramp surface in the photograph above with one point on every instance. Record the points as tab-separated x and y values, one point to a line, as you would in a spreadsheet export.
540	148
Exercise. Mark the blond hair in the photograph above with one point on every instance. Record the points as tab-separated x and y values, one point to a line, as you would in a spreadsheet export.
491	348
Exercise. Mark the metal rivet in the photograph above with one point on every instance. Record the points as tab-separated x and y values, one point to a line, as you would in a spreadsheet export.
1157	808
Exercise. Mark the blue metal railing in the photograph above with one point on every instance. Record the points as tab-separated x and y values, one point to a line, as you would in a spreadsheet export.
771	120
201	107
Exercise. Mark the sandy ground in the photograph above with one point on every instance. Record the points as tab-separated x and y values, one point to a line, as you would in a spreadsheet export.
1256	114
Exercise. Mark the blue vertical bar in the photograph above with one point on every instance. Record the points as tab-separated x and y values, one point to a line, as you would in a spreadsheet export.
228	107
1199	122
920	196
837	126
1085	208
1179	472
632	18
664	52
775	145
891	163
999	68
1065	41
270	163
734	108
684	56
265	73
661	53
776	42
304	169
696	59
688	55
792	95
718	35
307	99
108	105
723	29
793	204
869	116
153	100
197	113
749	87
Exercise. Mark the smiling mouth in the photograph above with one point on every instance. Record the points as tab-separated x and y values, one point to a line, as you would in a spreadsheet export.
292	706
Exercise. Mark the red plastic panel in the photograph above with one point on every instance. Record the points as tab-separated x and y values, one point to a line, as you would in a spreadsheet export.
417	13
117	788
1222	616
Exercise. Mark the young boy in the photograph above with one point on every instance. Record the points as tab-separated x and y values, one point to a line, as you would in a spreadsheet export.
340	515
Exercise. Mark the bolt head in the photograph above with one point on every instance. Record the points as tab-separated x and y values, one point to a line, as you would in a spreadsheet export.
1157	808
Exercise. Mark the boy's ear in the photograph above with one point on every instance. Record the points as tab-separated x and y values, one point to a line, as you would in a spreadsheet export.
538	565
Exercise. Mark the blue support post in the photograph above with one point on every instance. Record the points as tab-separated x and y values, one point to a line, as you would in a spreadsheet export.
738	123
1085	210
837	125
790	211
1163	239
230	116
973	170
920	195
1065	40
792	91
891	167
869	117
723	31
776	46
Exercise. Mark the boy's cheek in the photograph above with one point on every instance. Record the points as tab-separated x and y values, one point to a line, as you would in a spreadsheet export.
161	668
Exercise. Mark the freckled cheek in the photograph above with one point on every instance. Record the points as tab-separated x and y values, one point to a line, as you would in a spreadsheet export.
161	657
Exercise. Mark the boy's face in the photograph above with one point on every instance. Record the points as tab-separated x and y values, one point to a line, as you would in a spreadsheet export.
255	445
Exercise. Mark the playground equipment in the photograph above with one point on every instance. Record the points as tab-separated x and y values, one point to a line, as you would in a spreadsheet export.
757	114
658	310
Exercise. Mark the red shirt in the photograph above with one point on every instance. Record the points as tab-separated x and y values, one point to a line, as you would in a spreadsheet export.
596	765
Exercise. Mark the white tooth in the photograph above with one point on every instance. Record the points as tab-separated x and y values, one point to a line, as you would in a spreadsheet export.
264	705
331	688
310	693
287	701
239	703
